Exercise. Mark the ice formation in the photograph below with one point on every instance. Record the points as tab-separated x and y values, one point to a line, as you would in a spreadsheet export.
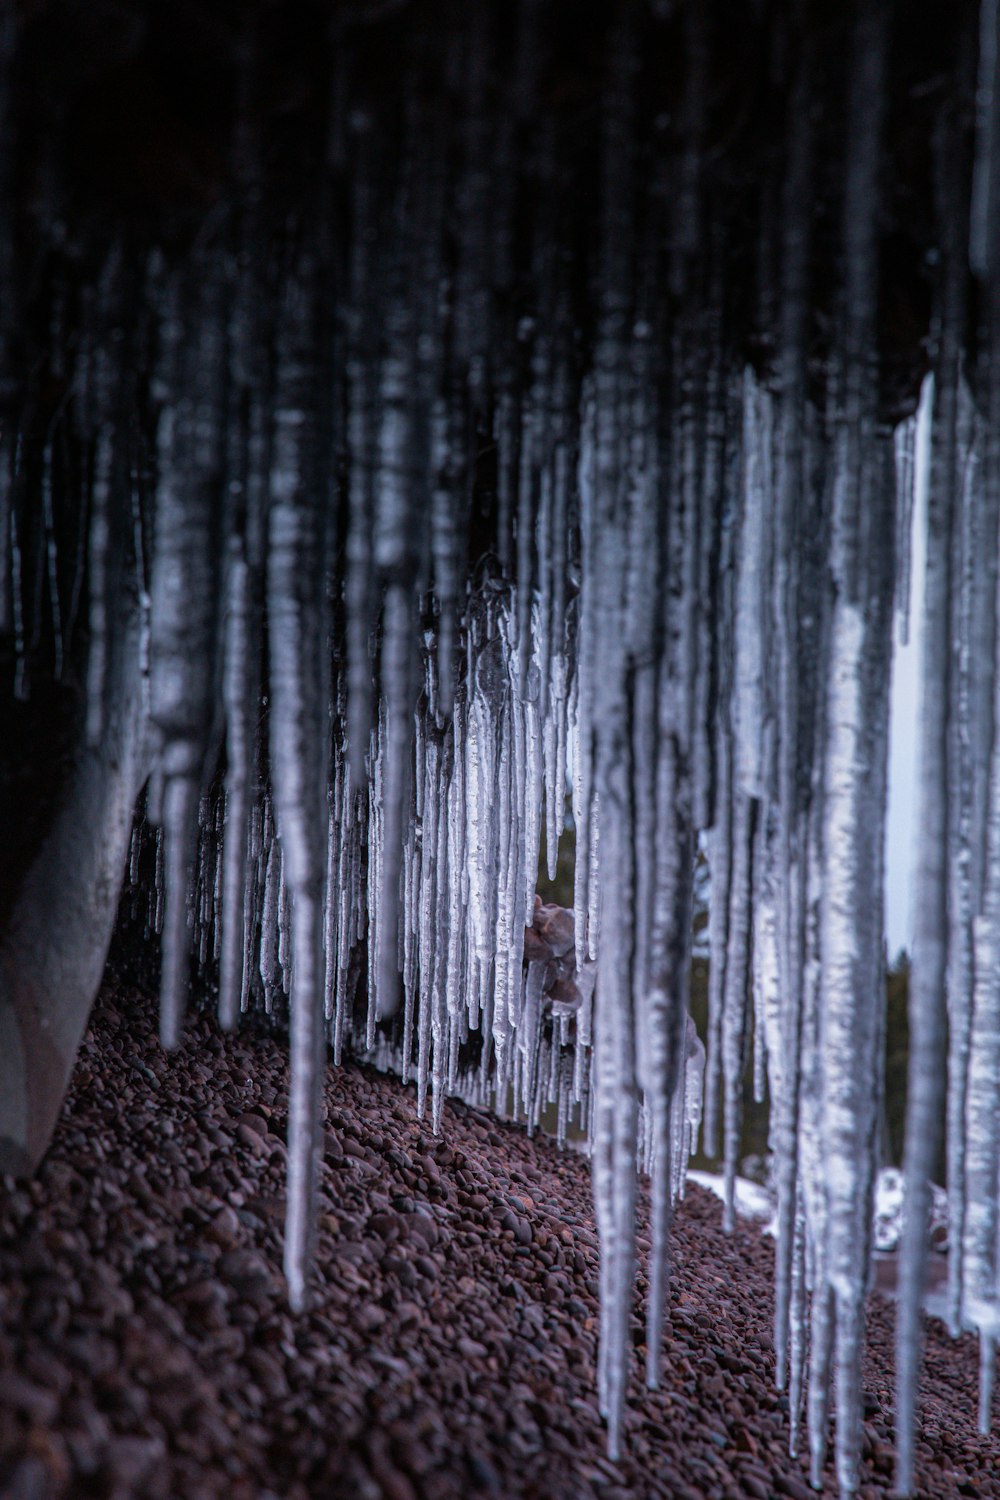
503	435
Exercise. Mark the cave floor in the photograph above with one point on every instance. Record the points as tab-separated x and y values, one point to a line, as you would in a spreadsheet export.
147	1349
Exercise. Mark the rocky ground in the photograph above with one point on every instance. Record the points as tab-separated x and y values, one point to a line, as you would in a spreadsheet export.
147	1350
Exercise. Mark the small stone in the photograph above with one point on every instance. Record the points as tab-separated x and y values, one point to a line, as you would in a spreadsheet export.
565	995
19	1394
251	1139
131	1458
536	949
556	925
30	1480
388	1226
484	1475
797	1489
423	1227
371	1318
244	1269
427	1267
523	1232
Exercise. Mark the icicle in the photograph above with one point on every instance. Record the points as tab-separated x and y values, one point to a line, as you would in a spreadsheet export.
719	859
182	634
662	1006
905	446
847	1038
159	881
535	778
447	446
767	1037
298	741
334	888
927	1005
238	700
439	1015
982	1152
17	609
52	561
269	971
583	697
180	814
736	992
455	812
427	916
780	937
751	633
395	675
97	573
797	1324
348	930
964	868
358	584
614	1132
412	866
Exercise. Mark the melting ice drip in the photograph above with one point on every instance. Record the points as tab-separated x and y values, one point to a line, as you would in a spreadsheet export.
400	548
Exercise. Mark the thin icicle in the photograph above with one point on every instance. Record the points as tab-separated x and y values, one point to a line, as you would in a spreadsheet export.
926	1091
99	540
238	697
298	741
905	440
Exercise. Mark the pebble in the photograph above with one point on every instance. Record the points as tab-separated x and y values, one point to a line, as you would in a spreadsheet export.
252	1139
245	1269
797	1489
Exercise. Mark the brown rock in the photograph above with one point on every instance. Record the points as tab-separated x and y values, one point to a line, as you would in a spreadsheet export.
245	1270
31	1479
564	994
536	949
423	1227
427	1267
555	923
389	1227
251	1139
371	1318
20	1394
797	1489
130	1459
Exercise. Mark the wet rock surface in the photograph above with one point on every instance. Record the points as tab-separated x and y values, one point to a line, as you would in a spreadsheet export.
147	1349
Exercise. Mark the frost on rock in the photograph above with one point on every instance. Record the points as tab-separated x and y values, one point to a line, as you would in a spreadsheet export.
459	471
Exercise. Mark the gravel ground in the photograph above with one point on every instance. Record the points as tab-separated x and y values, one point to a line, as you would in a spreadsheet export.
147	1350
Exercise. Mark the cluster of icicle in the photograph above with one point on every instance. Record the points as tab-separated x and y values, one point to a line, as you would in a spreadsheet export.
688	603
